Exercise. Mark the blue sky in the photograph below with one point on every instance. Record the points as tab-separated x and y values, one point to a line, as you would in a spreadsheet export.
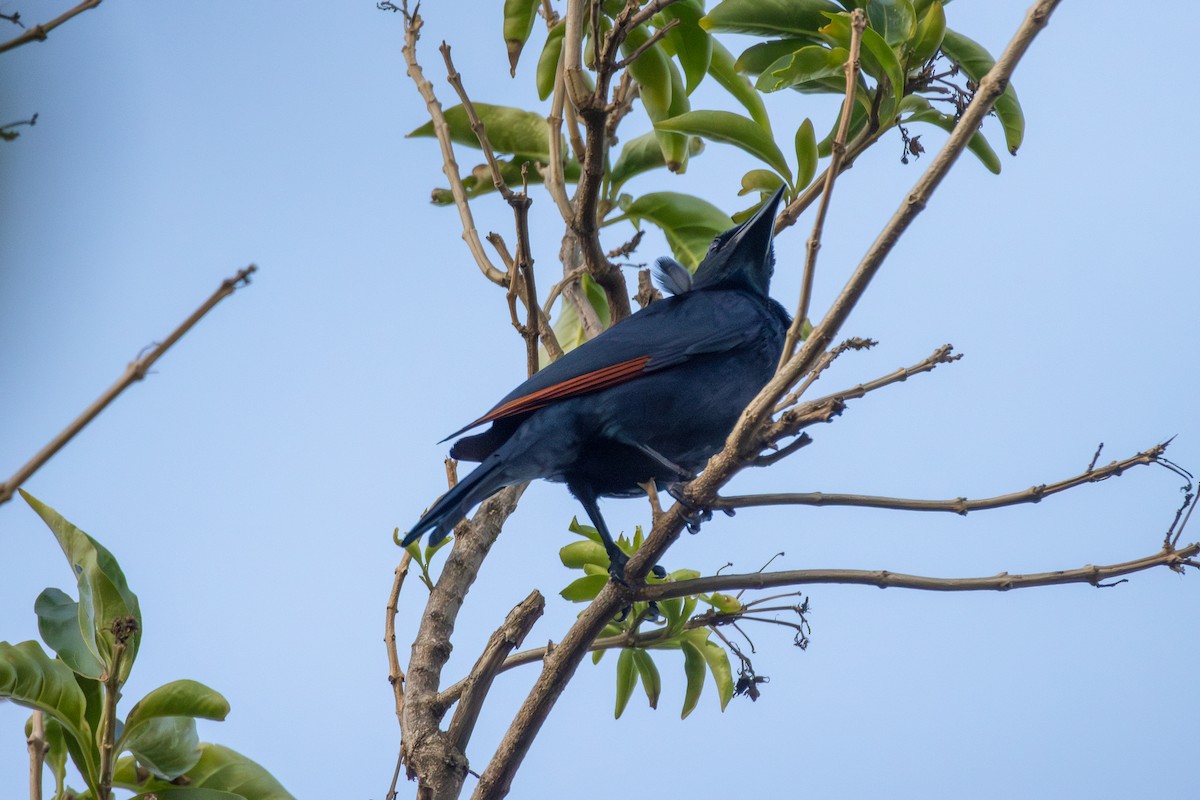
250	486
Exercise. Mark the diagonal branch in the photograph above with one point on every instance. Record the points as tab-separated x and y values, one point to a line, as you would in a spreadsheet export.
136	371
38	32
858	22
412	33
395	671
478	683
1173	559
959	505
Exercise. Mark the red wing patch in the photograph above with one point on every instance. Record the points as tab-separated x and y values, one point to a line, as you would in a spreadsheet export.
594	381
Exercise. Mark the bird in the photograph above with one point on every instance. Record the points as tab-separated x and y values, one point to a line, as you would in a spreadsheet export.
650	399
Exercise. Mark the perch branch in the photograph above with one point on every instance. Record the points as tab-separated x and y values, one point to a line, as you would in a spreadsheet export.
134	372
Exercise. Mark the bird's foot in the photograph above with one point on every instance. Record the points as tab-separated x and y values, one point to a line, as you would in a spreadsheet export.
650	615
693	515
616	568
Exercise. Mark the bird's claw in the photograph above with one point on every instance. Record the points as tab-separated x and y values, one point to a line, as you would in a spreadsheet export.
616	569
693	515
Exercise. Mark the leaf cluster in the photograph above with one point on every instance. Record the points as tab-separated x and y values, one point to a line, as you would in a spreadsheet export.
95	640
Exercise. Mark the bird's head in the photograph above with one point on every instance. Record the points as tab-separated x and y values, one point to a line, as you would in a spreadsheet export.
742	257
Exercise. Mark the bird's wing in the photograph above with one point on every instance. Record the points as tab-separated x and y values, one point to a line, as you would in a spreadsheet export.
663	335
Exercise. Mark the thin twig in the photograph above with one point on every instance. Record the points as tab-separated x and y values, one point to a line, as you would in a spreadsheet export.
395	671
412	33
37	753
38	32
959	505
1174	559
858	22
651	40
134	372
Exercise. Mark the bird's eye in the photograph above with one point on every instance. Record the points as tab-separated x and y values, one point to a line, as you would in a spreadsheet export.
715	244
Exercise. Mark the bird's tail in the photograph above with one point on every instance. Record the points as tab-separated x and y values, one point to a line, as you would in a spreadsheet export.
484	481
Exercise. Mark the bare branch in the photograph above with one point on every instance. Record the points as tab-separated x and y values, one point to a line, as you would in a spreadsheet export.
503	641
1173	559
477	126
959	505
412	33
134	372
395	672
651	40
37	753
428	752
38	32
858	23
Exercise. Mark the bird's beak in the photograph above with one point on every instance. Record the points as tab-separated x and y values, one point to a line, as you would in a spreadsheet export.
756	233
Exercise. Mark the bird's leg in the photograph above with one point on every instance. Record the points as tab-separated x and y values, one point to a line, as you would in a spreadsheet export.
679	472
616	556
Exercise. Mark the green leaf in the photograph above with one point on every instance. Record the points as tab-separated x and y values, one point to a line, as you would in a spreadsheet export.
675	146
924	112
181	698
724	72
585	589
724	126
759	180
59	625
975	60
758	57
651	680
690	43
672	609
768	17
576	554
519	16
884	64
718	664
928	38
694	669
806	153
188	793
547	66
725	603
167	746
509	130
586	531
626	680
219	769
654	73
104	596
569	328
806	65
32	679
688	222
683	575
895	20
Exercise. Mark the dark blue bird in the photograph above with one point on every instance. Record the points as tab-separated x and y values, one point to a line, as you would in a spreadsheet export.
651	398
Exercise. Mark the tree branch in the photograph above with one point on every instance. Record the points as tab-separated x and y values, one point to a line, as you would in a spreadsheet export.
412	33
1174	559
858	22
395	672
478	683
37	753
38	32
134	372
959	505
